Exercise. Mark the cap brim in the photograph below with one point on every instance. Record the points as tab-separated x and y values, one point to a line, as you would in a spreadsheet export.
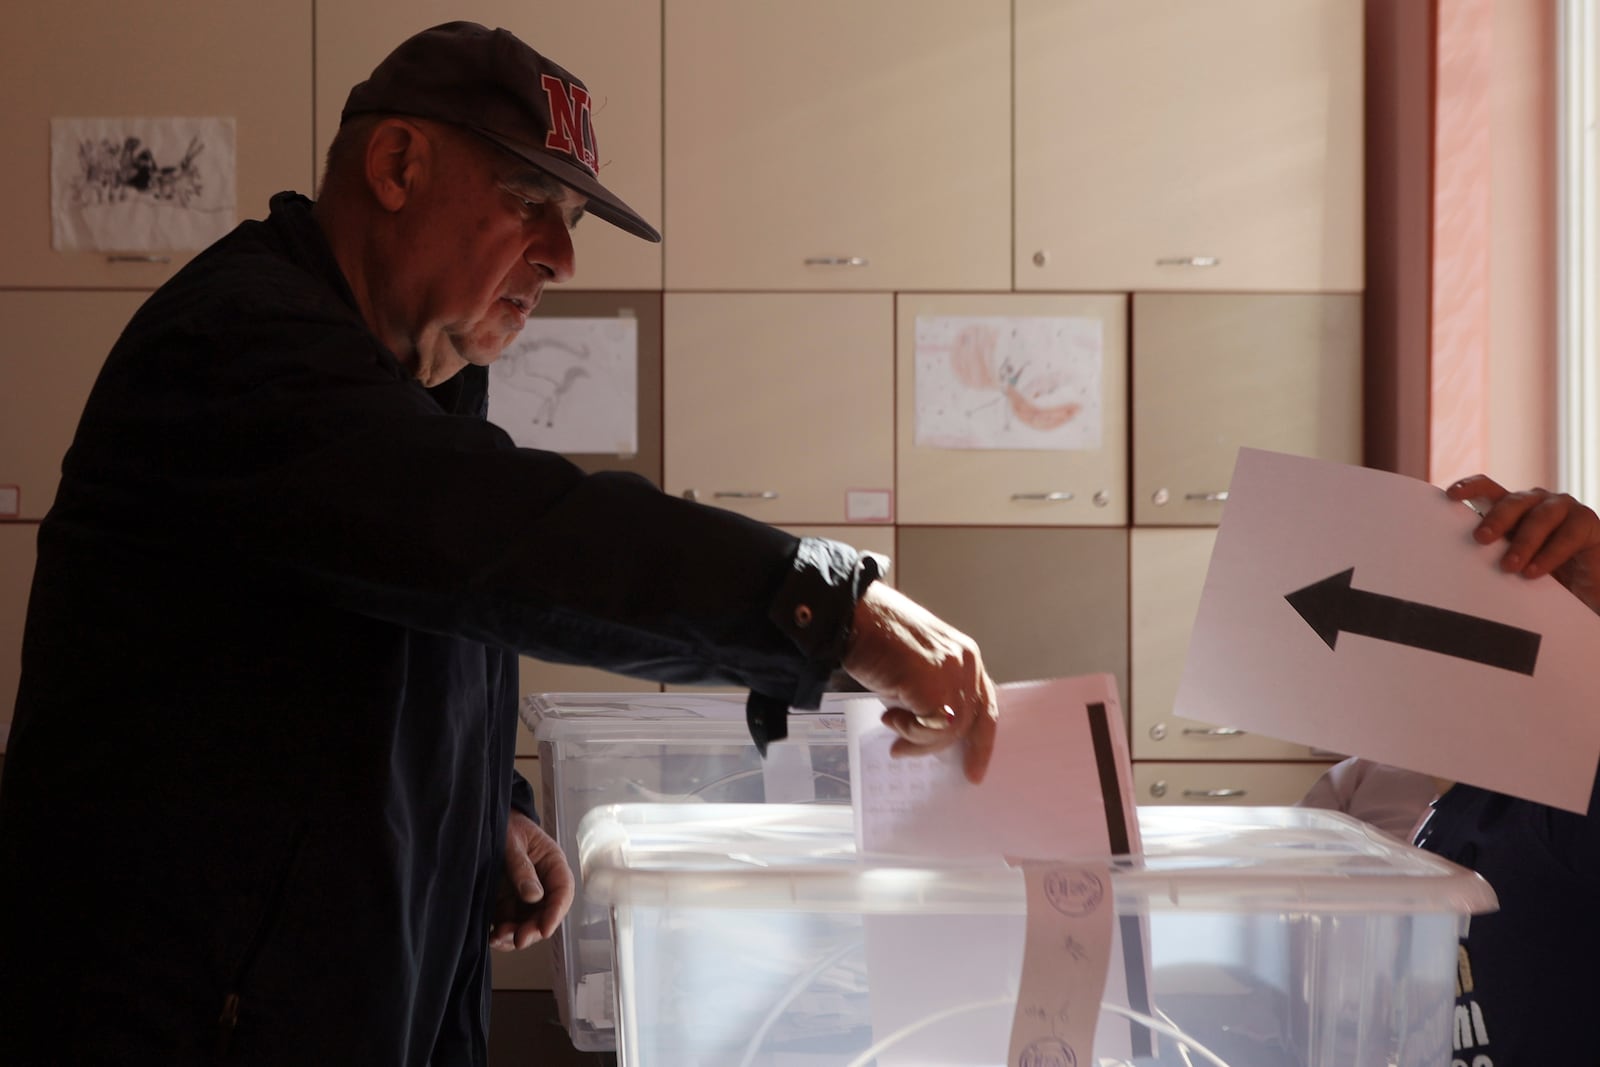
603	203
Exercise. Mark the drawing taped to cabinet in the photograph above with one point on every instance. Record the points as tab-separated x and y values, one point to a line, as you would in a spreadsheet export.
997	382
570	385
141	184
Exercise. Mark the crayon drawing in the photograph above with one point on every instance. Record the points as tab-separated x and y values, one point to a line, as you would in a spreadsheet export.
1017	383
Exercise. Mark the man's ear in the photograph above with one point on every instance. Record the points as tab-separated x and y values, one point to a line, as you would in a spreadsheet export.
397	156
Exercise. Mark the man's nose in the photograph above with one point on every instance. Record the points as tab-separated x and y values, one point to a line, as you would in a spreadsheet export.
550	252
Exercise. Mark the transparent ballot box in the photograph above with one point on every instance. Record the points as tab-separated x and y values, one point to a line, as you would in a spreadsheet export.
610	748
753	935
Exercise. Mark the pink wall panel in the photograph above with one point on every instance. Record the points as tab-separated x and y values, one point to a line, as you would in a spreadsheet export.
1460	299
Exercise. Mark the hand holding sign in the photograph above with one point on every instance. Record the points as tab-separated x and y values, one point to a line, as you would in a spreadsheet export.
1438	657
1548	533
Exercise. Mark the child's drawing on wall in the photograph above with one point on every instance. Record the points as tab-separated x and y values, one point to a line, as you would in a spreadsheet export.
993	382
141	184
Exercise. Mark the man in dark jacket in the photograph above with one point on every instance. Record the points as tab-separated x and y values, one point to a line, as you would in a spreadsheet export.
1526	981
259	804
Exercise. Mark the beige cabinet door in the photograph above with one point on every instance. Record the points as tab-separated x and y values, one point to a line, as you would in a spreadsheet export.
612	46
1043	376
1214	371
56	342
780	405
645	310
17	540
1041	603
838	145
1167	571
1166	144
146	59
1249	784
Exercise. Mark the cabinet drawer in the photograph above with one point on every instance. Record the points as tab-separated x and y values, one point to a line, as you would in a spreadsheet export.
1041	603
246	62
838	145
779	406
1165	145
1167	573
17	541
59	341
1002	370
1250	784
1213	372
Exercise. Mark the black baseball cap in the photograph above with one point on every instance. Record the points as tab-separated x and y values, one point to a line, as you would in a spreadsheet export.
491	83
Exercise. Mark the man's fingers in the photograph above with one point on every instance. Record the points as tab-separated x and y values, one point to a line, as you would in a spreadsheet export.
1537	532
1554	532
973	724
1476	487
921	733
980	747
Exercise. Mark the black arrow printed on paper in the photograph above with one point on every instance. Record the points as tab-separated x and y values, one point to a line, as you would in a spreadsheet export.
1331	606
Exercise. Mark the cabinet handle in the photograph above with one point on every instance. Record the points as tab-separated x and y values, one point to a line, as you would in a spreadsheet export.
1051	497
1216	496
1215	731
836	261
122	257
1189	261
1212	794
746	494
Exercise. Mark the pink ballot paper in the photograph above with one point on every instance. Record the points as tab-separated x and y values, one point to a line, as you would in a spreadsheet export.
1057	802
1352	610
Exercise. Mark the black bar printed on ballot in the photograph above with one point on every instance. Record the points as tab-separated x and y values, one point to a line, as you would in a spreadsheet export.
1105	761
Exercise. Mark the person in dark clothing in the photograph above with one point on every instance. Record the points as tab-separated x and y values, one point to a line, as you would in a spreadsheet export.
259	804
1526	979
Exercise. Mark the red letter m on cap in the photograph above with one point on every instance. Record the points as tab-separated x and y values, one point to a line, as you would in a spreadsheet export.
571	130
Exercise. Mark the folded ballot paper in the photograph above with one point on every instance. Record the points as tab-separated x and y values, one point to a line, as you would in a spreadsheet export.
1057	803
1352	610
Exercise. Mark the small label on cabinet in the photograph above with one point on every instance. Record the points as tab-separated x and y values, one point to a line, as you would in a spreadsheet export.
869	505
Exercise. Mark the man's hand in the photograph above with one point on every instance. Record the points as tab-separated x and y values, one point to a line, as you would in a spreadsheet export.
537	888
929	673
1548	533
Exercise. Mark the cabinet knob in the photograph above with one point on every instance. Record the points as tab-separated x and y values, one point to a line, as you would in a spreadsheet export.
1040	258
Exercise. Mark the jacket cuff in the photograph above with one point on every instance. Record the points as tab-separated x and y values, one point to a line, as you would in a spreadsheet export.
522	797
815	608
816	604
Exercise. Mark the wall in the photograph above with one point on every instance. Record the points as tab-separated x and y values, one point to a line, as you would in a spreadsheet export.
1461	314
